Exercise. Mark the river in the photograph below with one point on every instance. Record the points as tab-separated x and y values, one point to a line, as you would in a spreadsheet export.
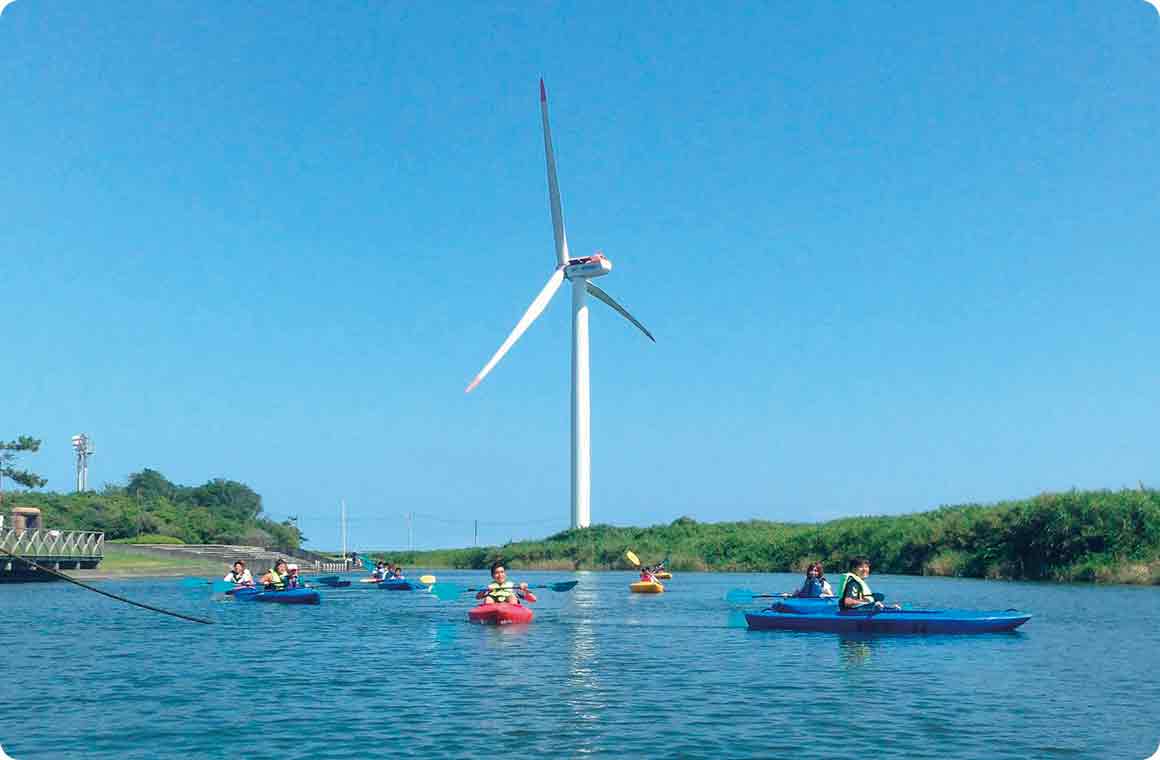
599	673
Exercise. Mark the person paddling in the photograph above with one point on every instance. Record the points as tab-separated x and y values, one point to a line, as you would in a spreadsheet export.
503	591
380	571
275	578
815	584
647	575
239	575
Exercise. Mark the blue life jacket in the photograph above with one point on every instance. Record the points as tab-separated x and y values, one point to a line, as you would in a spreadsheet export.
812	587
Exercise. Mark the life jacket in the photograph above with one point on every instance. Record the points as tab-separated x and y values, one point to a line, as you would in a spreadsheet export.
276	580
501	594
847	578
244	579
813	587
647	576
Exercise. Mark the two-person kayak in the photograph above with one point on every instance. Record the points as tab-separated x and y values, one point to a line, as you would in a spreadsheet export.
287	596
793	615
646	587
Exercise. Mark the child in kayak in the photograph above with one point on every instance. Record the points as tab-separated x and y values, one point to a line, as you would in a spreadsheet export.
239	575
503	591
397	573
815	584
292	579
275	578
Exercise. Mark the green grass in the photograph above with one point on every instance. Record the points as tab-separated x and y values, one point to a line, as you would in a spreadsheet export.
1094	536
121	560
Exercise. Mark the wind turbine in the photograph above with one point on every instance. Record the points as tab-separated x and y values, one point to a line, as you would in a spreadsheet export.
580	272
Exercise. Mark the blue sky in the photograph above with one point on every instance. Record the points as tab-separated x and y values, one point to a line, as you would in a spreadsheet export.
895	255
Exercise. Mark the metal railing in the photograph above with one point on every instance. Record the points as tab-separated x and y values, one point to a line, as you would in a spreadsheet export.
54	544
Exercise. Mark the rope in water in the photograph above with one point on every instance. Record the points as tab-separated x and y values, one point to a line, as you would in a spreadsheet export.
142	605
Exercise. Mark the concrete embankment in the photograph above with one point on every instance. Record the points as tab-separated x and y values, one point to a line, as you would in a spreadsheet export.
156	560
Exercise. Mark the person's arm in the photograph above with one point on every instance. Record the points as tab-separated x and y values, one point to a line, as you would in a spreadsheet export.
850	598
827	589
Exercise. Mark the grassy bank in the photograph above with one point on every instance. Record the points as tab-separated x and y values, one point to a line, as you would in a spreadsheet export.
1101	536
124	561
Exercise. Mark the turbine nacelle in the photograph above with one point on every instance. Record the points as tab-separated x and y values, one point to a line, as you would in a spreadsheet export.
587	267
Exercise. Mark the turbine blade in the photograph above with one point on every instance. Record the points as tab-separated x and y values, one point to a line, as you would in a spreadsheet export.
553	185
535	310
600	294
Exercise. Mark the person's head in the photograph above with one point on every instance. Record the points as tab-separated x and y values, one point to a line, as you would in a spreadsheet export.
498	571
815	571
280	567
381	565
239	567
293	569
860	566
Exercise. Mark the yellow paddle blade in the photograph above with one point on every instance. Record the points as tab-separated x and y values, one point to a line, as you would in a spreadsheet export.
632	558
427	580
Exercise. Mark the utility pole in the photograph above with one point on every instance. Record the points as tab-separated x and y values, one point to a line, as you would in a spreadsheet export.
83	445
476	542
410	531
342	531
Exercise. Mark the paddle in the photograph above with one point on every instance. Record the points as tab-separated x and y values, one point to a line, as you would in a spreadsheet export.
743	595
448	591
632	558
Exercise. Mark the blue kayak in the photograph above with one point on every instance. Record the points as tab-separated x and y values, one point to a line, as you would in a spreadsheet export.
806	604
887	621
395	584
289	596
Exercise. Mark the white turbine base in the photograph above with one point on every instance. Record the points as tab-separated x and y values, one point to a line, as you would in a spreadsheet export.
581	410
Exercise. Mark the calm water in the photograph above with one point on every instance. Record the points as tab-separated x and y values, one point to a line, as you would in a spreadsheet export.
599	673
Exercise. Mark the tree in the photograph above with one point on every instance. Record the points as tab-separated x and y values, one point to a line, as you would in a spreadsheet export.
150	484
8	452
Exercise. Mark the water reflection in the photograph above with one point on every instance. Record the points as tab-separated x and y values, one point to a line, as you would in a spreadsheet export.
855	650
583	696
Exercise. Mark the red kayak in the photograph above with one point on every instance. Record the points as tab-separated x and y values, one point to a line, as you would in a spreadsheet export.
500	614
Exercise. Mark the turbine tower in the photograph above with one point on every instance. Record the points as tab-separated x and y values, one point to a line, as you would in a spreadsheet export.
580	272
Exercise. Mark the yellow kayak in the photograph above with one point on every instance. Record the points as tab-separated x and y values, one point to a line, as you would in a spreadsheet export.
646	587
665	575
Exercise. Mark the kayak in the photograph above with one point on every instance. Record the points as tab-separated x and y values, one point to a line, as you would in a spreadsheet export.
499	614
289	596
646	587
888	621
806	604
395	584
332	583
664	575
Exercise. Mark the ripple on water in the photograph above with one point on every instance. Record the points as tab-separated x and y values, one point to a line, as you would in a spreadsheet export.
601	673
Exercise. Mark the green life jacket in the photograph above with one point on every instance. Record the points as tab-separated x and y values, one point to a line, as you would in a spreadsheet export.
864	587
501	594
277	581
